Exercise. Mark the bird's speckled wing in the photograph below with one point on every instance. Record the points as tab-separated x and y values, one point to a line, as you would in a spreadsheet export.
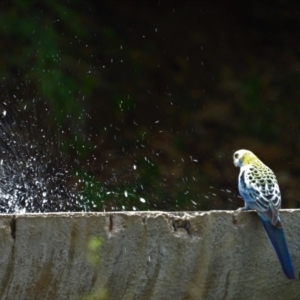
259	188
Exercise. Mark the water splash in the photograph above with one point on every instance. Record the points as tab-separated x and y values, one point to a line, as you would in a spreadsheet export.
34	175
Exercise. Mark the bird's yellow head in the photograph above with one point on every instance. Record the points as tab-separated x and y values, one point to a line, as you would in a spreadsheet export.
244	157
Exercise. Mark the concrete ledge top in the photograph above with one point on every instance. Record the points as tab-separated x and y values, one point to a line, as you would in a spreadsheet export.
152	212
144	255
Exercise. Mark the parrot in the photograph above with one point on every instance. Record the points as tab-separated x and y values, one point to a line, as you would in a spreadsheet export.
260	191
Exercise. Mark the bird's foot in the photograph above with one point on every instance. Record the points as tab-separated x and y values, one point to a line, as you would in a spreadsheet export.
237	211
241	209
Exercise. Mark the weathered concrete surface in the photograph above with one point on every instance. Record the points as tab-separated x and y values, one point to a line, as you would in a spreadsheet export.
145	255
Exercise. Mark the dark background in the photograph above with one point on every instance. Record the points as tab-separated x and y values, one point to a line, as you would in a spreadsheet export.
149	99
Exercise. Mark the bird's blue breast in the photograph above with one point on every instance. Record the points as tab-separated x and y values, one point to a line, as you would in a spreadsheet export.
243	187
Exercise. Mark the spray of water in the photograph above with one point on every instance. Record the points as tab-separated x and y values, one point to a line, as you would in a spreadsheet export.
34	175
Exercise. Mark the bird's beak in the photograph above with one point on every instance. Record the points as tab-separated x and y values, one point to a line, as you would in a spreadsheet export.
236	162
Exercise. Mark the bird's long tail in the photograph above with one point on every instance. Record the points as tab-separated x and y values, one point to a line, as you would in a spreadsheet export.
277	237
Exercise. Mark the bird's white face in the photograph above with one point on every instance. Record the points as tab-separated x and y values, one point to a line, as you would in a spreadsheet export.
238	157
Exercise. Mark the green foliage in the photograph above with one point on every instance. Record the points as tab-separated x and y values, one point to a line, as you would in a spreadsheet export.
93	256
93	249
173	89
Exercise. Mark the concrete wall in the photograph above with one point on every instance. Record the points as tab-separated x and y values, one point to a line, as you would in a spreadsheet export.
144	255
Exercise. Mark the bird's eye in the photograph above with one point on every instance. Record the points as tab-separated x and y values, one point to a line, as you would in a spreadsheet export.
236	156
